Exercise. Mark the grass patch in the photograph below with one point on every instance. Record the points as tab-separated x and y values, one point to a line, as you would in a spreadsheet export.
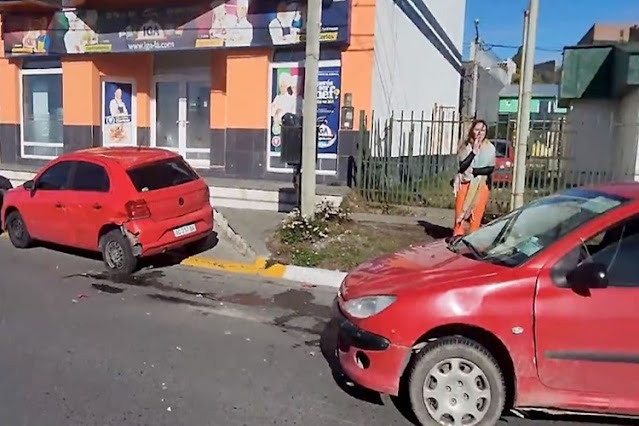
332	240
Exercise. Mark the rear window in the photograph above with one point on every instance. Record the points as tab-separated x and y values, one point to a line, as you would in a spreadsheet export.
162	174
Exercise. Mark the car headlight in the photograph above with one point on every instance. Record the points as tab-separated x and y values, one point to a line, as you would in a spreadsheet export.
368	306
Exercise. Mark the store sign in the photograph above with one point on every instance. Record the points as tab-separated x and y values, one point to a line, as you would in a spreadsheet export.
287	96
117	114
220	24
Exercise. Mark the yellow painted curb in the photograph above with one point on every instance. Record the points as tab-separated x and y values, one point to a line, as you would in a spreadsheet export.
259	267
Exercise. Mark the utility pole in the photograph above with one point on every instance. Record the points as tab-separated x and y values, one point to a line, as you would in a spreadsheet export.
520	96
473	101
309	125
523	119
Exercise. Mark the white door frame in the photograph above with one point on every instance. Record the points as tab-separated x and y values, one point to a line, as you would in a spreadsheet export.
182	79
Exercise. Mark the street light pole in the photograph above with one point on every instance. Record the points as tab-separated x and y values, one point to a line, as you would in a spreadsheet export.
520	96
309	125
473	100
523	119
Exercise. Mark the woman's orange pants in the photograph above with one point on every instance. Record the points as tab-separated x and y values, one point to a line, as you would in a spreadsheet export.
478	212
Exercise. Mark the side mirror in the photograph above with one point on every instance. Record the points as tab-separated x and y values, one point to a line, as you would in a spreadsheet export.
589	275
29	185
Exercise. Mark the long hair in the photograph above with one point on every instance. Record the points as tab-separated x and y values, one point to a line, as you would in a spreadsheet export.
470	135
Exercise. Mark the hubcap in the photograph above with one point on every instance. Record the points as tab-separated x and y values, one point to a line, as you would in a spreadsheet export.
114	255
456	393
17	228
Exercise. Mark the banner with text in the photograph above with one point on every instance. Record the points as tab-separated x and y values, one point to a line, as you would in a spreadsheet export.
287	96
215	25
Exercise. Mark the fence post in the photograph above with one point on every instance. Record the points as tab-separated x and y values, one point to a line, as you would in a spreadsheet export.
359	163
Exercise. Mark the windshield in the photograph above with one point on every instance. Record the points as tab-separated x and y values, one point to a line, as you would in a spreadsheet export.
515	238
501	148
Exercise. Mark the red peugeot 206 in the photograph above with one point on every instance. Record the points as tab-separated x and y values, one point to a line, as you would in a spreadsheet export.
536	310
127	203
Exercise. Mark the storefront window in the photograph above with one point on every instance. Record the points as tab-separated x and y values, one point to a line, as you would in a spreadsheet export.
42	126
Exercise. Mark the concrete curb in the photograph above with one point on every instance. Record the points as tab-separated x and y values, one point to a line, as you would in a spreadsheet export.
222	225
312	276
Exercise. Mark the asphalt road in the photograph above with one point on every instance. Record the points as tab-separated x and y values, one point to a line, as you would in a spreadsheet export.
175	346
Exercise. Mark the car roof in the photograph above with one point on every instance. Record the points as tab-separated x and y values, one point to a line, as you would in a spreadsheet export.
628	190
126	157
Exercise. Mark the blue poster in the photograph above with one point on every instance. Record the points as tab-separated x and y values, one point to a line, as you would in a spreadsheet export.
328	109
287	96
117	115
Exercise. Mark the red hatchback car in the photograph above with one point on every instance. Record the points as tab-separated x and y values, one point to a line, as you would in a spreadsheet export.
127	203
536	310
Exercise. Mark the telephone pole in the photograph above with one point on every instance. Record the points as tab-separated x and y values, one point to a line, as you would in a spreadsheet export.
473	104
520	96
309	125
523	119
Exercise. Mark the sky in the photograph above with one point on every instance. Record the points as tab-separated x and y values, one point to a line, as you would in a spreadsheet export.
561	22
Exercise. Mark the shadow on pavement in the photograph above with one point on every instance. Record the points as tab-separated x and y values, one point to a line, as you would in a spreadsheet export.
155	262
436	231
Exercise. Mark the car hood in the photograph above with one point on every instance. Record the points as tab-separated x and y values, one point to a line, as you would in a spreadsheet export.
414	267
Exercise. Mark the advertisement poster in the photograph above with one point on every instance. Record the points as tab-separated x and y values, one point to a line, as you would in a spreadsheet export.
216	24
117	114
287	96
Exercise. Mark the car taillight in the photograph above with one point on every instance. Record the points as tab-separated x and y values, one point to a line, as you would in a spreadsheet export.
137	210
207	194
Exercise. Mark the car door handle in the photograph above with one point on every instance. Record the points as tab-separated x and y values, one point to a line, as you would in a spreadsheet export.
58	205
97	206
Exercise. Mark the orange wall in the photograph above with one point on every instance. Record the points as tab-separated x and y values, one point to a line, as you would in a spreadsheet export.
357	60
138	67
81	84
10	91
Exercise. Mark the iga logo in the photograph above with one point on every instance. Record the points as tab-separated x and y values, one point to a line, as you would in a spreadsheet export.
325	136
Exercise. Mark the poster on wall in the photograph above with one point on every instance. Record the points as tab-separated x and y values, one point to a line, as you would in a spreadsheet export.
287	96
117	114
211	25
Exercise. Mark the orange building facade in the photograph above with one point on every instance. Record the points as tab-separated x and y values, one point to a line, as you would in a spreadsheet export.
210	81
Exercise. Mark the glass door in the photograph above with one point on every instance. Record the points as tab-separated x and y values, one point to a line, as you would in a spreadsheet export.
167	115
198	123
182	119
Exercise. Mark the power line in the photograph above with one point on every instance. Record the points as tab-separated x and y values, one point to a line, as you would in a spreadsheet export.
506	46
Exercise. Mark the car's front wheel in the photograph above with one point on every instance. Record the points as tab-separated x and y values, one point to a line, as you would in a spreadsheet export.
456	381
17	229
117	253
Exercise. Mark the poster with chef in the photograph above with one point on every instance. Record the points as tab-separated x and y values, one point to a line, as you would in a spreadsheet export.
287	96
117	113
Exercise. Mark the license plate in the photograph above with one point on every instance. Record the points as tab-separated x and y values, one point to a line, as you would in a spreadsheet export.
184	230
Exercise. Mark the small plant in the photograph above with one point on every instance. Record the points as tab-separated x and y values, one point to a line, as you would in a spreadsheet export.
298	229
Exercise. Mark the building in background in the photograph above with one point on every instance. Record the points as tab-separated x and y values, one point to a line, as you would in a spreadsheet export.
610	33
211	80
494	75
600	82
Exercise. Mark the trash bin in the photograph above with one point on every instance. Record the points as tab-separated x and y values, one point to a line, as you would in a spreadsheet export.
292	139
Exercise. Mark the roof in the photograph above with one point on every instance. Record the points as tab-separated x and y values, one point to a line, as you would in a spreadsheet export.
538	91
628	190
127	157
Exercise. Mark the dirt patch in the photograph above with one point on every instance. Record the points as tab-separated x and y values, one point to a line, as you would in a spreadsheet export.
348	244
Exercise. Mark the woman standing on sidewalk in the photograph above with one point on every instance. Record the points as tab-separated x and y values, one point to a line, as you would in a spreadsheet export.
477	157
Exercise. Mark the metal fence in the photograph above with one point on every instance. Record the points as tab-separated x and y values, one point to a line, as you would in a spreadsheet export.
410	159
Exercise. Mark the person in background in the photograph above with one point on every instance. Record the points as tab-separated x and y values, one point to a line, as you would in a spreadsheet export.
477	158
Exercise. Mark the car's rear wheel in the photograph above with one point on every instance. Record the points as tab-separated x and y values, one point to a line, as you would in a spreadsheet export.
456	381
17	229
117	253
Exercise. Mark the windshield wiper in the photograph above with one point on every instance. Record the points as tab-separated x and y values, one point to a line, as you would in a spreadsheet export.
451	243
472	248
